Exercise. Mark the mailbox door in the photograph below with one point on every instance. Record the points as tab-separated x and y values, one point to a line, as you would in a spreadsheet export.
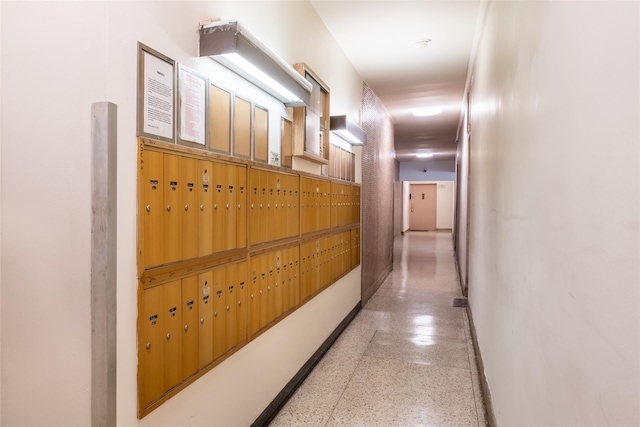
188	207
219	302
152	345
241	201
205	314
219	215
189	326
172	314
153	194
172	211
230	207
205	208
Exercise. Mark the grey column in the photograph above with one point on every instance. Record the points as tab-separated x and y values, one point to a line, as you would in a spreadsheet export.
103	263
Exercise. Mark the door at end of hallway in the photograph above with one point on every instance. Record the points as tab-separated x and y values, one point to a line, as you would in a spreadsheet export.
423	205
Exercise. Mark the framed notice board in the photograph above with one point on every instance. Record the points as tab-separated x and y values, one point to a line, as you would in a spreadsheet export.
156	95
192	107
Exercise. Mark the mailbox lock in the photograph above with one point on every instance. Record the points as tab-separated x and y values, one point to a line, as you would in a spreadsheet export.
227	205
186	328
251	205
201	207
215	206
268	288
148	208
186	207
168	336
215	314
260	291
168	208
240	302
238	206
251	298
228	308
202	321
148	346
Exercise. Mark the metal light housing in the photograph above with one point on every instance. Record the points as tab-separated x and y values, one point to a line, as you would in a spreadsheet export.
237	49
347	130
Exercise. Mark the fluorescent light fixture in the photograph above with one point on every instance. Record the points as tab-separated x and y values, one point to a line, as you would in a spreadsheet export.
347	130
260	75
237	49
424	155
427	111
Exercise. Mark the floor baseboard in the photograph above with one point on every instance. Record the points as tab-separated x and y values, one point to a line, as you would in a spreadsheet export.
484	385
463	288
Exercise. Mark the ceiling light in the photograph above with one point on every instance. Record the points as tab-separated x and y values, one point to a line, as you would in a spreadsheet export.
347	130
427	111
237	49
424	155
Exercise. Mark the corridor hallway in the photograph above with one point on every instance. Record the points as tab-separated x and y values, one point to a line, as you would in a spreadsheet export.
407	358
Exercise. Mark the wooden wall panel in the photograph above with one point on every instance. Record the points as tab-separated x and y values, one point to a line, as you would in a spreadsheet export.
220	120
242	128
260	134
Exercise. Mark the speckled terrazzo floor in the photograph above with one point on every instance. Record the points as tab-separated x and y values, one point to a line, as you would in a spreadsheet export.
406	359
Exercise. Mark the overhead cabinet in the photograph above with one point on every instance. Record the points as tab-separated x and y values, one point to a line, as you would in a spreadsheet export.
311	123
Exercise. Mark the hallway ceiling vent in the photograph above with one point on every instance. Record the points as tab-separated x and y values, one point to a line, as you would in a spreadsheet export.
347	130
243	53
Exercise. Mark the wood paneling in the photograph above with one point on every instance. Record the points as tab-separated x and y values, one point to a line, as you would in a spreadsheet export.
242	128
220	119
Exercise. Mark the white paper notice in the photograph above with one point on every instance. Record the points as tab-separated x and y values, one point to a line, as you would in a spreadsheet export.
158	97
192	107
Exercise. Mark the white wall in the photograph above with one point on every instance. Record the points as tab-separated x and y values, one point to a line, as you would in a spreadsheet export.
462	235
554	249
0	217
436	170
445	200
445	203
53	67
49	79
406	208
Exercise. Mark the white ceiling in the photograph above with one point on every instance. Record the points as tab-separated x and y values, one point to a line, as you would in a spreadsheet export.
378	36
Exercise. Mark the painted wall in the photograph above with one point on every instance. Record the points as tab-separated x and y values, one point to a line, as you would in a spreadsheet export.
48	82
397	202
436	170
0	216
554	252
406	208
462	232
445	203
49	79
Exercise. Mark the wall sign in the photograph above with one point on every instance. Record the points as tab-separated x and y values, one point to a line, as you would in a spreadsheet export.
192	89
156	95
